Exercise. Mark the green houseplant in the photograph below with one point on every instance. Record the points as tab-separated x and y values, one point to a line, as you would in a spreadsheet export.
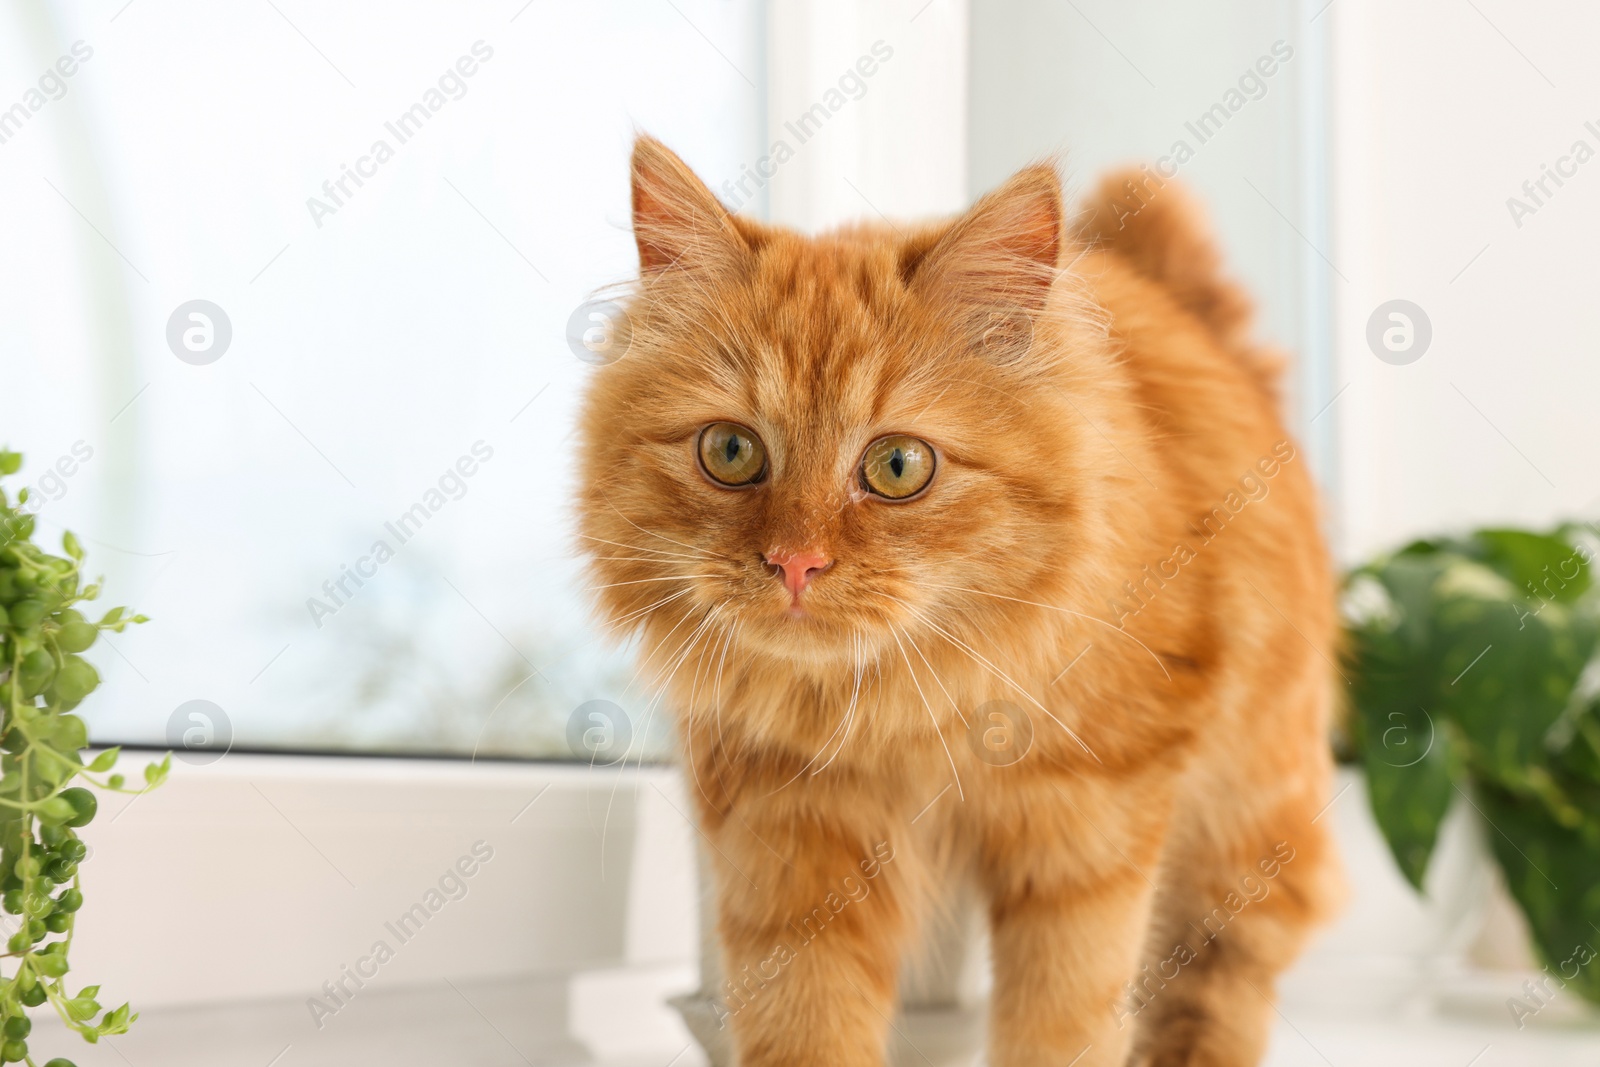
42	679
1474	673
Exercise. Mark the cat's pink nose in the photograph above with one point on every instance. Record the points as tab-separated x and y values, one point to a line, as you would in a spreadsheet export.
797	568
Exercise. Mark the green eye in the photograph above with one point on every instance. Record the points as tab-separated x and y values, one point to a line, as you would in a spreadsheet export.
731	455
897	467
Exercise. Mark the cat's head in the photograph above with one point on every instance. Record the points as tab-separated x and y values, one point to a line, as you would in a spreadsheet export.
815	446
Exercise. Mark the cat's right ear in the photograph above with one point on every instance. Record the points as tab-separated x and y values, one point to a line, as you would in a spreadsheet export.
994	268
677	222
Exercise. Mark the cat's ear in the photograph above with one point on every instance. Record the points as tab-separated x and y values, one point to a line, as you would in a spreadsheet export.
997	262
676	219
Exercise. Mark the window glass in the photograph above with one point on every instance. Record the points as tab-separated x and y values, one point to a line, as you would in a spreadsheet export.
287	288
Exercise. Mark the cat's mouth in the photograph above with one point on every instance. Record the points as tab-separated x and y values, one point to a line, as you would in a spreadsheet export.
801	605
799	608
825	622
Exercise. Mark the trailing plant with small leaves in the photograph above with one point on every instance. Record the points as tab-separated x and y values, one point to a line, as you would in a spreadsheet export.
1475	672
43	678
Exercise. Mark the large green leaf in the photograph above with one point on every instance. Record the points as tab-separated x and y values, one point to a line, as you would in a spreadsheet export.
1541	566
1402	747
1575	740
1554	875
1507	679
1409	785
1506	675
1486	645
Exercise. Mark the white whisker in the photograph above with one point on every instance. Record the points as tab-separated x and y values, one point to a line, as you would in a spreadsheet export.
996	671
647	548
716	692
639	613
937	680
639	668
704	666
479	739
652	533
845	721
858	656
679	654
666	683
894	630
663	578
644	731
1065	611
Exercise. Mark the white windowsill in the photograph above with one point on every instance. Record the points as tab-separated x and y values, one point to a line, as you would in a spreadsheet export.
219	904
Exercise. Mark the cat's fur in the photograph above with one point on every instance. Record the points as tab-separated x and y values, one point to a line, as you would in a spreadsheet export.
1115	493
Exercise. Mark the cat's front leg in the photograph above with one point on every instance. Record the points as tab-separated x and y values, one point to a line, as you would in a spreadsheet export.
1070	900
812	918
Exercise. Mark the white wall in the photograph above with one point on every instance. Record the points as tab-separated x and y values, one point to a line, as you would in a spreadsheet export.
1102	84
1441	112
1437	113
896	146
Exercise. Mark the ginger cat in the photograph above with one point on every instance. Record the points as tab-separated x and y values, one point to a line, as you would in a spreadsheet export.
974	550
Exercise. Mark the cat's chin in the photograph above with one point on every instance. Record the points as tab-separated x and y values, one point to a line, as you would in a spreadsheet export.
802	638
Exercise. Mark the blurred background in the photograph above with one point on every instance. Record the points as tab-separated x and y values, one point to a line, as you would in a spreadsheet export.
285	283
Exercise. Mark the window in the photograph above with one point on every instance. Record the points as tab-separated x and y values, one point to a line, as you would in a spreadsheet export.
287	288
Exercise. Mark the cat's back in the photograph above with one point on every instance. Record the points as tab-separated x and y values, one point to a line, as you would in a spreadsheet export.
1182	327
1230	502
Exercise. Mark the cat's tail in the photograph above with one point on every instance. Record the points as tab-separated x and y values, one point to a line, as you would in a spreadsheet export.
1160	230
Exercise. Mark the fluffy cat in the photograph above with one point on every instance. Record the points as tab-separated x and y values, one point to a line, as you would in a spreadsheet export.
973	550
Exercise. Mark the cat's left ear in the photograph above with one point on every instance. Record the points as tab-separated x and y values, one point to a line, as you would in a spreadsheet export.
998	262
677	222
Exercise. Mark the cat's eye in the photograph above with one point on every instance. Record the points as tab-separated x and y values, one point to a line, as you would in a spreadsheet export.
897	467
731	455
